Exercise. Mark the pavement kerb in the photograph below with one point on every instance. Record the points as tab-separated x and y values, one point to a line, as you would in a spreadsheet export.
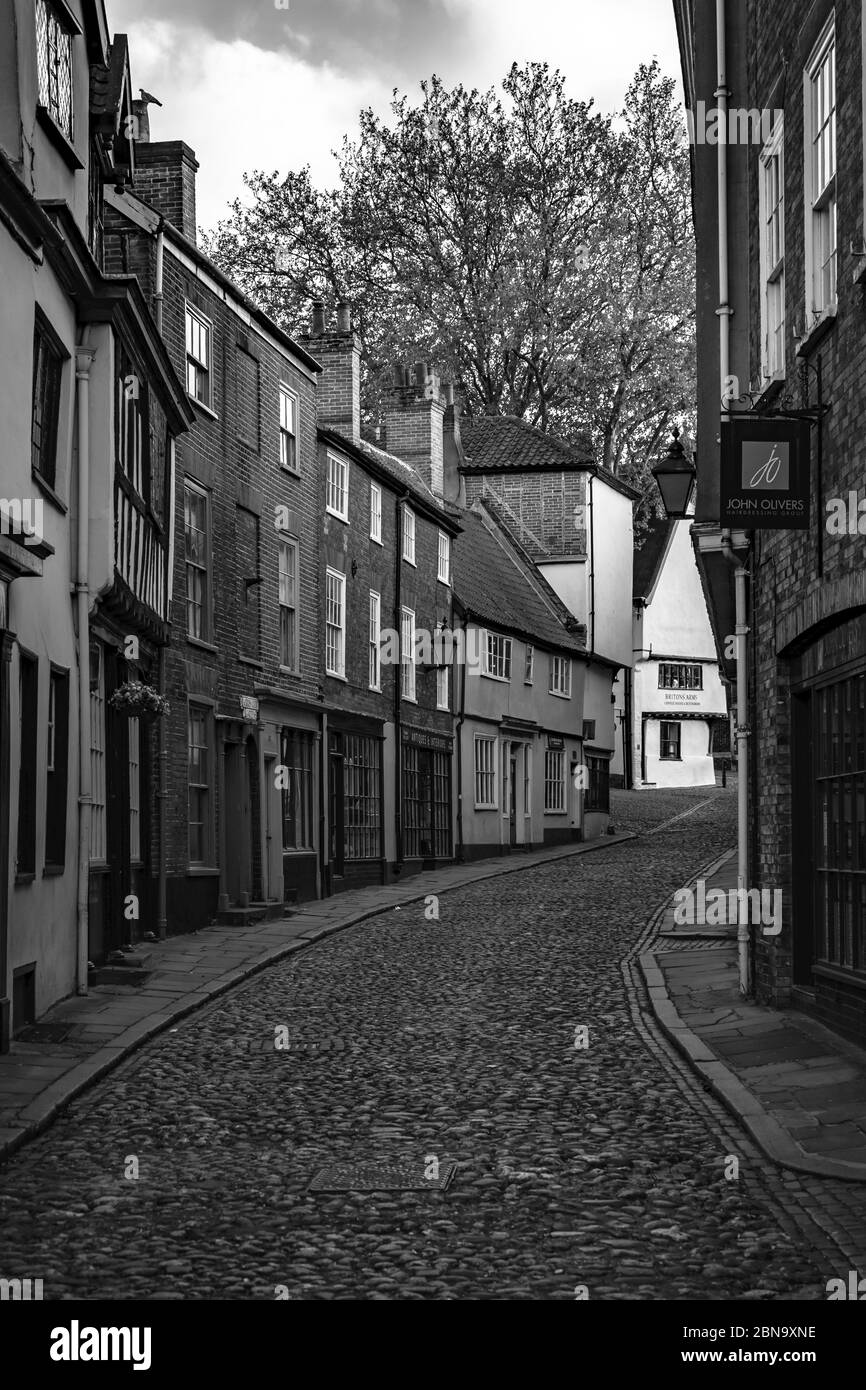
54	1098
768	1134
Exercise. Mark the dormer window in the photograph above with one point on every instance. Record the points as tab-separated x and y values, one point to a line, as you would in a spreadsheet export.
54	64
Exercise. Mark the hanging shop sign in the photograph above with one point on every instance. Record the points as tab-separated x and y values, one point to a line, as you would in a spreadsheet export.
765	474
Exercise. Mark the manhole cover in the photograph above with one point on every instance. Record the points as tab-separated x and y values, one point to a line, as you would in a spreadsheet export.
44	1033
383	1177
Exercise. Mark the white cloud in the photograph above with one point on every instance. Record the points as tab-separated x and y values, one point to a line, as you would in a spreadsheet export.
242	106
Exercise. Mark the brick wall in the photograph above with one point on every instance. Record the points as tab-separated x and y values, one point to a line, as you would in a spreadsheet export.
548	509
790	588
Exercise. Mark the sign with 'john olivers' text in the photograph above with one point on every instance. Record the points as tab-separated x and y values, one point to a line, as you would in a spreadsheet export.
765	474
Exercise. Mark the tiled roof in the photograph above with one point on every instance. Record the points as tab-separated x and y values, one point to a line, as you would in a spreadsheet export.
504	441
496	582
648	560
106	84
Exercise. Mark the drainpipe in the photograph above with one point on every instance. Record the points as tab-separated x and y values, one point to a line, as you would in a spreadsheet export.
84	356
724	314
162	737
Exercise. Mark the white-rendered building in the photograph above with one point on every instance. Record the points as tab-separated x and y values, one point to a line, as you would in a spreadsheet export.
677	694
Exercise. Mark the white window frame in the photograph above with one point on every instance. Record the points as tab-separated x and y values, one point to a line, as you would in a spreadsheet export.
408	535
560	677
375	641
205	567
820	185
444	564
376	513
497	662
98	790
337	496
557	783
289	543
407	655
527	779
529	664
286	394
771	211
486	768
335	607
194	358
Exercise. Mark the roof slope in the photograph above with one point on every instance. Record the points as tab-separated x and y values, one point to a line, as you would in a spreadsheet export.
505	441
648	560
494	581
404	475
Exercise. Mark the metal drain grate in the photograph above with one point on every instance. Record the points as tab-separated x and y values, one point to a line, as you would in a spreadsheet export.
44	1033
381	1177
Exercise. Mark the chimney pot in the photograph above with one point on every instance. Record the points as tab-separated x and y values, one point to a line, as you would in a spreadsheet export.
344	316
318	317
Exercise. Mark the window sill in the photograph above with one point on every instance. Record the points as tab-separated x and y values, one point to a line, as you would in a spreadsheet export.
377	540
290	472
53	870
24	880
336	515
290	671
408	561
818	332
48	492
251	661
558	695
446	582
59	140
489	676
200	405
409	699
202	645
485	808
336	676
201	871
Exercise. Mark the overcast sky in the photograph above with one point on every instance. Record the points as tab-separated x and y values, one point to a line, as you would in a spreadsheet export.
263	84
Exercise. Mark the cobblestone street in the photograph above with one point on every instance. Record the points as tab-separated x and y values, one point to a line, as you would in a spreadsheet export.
424	1043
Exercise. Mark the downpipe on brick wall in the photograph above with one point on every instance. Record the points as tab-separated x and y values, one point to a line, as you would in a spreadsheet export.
84	355
724	312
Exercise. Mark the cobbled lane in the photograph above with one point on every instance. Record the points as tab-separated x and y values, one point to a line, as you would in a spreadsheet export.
424	1042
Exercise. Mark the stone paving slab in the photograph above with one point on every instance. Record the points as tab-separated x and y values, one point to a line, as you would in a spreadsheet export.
38	1080
799	1088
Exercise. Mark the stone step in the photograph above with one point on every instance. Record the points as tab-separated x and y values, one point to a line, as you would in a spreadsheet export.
256	912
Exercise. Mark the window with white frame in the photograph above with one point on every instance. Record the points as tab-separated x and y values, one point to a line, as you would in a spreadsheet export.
821	197
407	654
529	668
198	356
375	641
54	66
442	688
288	568
560	676
199	783
554	780
772	216
409	535
288	430
375	513
335	623
197	548
497	656
485	773
527	780
444	558
338	487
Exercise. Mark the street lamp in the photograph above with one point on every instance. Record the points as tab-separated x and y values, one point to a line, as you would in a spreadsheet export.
675	476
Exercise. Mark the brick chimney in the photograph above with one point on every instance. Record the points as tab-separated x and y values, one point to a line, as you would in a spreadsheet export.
414	419
165	173
339	386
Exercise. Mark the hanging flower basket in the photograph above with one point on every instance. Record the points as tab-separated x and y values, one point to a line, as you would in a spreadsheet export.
139	701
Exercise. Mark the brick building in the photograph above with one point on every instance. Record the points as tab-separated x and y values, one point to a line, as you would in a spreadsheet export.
243	742
385	580
791	349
